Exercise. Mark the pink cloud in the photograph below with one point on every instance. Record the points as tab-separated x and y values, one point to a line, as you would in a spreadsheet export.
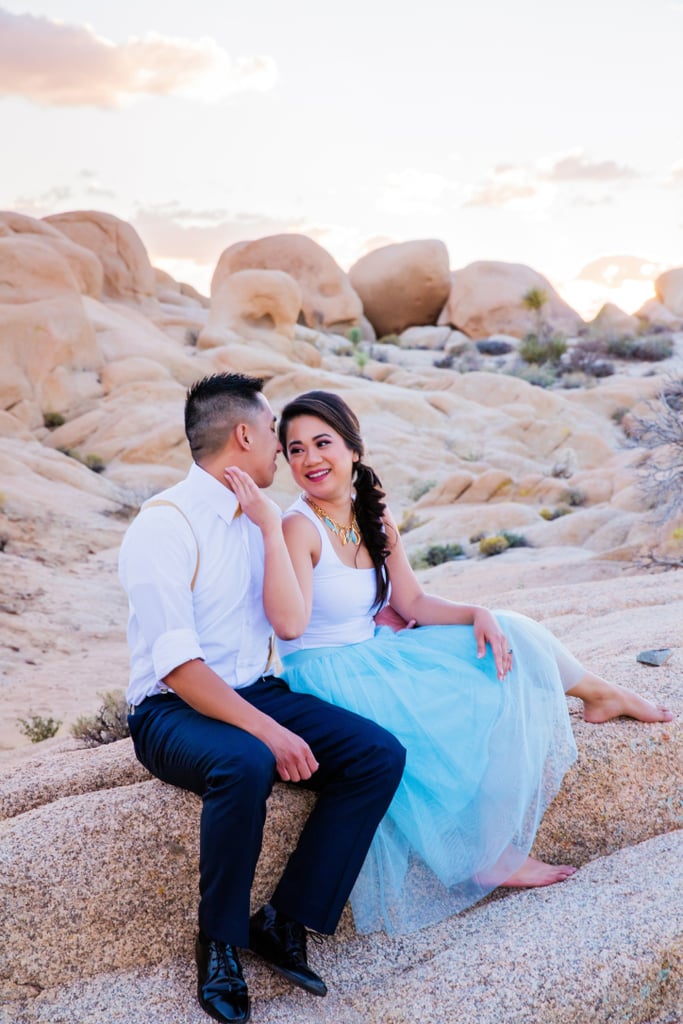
575	167
56	64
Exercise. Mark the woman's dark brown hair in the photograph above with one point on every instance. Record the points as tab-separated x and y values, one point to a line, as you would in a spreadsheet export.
369	506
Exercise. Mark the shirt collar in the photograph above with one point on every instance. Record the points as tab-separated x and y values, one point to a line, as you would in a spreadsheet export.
217	495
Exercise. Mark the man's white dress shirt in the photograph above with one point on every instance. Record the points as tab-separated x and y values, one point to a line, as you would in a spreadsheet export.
222	620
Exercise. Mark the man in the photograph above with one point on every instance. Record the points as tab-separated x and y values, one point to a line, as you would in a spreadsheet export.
208	577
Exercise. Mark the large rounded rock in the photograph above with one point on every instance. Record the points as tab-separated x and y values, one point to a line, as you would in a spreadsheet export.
655	314
669	290
402	285
48	349
613	321
128	274
252	305
84	264
488	298
327	298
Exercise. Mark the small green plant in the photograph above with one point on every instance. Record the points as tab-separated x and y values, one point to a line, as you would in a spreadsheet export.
647	349
540	376
420	488
515	540
362	359
53	419
550	514
493	545
573	497
95	463
355	336
409	522
109	723
540	351
437	554
534	300
389	339
38	728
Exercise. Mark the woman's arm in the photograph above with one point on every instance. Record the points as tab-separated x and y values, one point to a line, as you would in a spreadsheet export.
410	601
283	600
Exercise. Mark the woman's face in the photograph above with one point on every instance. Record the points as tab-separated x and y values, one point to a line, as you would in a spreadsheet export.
320	461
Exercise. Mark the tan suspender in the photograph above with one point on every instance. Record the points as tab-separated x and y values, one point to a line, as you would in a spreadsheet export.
171	504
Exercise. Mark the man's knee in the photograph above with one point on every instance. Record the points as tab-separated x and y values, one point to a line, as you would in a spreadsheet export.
251	769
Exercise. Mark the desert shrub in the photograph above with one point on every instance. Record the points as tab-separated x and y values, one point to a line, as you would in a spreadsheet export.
38	728
515	540
95	462
476	537
437	554
410	521
53	419
661	475
573	497
493	545
646	349
550	514
109	723
618	414
540	376
587	356
493	346
538	351
420	488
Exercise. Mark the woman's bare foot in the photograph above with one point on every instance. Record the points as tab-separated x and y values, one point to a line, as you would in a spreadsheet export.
603	701
536	873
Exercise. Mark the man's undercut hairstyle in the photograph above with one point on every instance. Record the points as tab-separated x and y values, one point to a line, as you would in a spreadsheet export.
215	405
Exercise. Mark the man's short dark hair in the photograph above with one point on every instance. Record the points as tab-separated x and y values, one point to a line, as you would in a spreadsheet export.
215	405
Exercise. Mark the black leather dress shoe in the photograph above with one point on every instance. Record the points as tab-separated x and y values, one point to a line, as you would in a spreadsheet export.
221	988
283	944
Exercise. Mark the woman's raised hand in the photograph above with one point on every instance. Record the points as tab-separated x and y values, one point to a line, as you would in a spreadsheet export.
253	501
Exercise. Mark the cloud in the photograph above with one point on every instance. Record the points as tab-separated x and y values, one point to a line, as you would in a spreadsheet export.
677	173
170	231
56	64
505	185
574	166
415	191
615	271
500	194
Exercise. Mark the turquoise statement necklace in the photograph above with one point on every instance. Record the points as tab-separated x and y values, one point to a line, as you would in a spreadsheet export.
347	534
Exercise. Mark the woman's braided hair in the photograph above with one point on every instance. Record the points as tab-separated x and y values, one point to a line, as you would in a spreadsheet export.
369	506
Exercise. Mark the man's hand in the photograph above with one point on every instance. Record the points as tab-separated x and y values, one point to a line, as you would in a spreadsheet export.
294	758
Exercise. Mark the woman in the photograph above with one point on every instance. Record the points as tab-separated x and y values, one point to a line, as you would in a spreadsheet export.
478	700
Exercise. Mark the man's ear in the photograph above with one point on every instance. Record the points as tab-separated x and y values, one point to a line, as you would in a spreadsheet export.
243	436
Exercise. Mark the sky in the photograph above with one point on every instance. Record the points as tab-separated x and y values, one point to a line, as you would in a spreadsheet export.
530	131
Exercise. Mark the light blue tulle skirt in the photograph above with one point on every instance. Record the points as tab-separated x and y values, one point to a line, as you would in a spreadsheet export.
485	758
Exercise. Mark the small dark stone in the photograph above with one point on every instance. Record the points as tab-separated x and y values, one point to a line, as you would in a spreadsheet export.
657	657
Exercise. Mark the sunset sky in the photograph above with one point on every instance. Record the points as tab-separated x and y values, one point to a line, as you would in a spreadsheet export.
543	133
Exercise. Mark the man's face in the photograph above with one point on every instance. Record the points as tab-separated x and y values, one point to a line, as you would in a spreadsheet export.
265	446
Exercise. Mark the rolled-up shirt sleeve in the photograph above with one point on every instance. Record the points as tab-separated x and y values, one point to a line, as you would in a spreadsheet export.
157	563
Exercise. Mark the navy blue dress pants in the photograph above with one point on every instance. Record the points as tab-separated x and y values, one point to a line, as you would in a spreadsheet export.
233	772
